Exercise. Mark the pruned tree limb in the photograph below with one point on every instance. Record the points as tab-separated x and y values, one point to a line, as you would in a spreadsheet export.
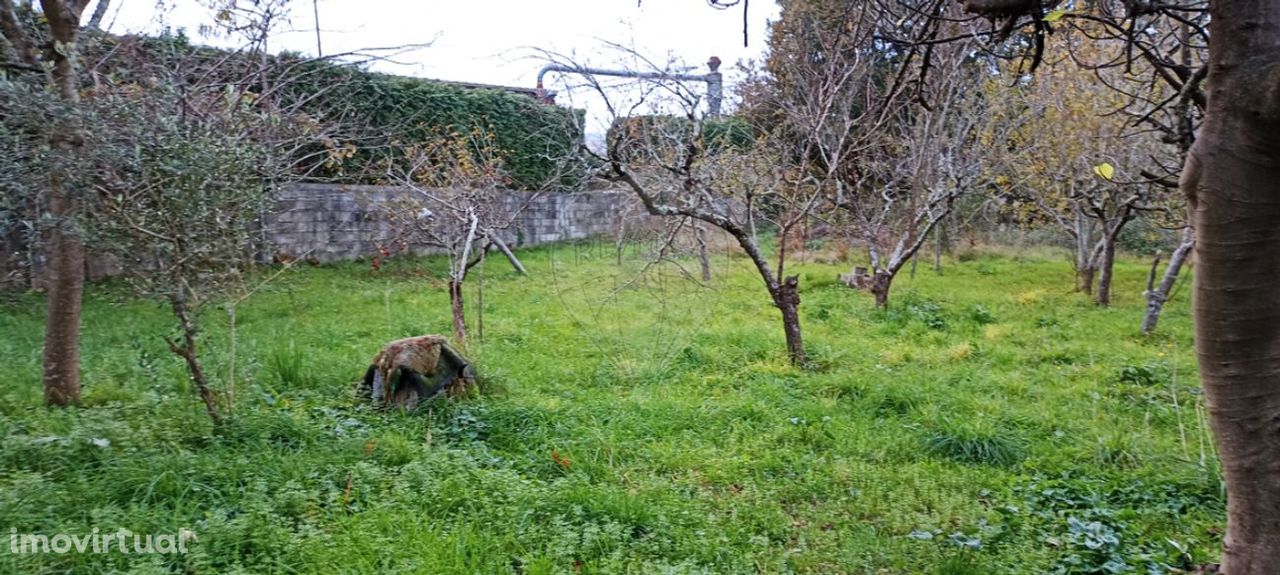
99	11
506	251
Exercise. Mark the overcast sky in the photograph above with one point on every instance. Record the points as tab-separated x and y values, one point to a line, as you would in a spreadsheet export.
493	41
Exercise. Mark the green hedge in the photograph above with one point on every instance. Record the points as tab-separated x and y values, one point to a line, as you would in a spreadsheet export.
658	132
377	113
388	112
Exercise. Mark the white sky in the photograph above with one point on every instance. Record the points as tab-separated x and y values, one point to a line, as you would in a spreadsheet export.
493	41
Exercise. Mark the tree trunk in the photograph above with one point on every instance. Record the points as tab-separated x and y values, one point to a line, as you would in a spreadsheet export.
506	251
1232	180
187	351
64	286
1084	280
785	294
787	298
938	247
65	252
703	257
1107	266
459	314
1156	297
1086	254
880	284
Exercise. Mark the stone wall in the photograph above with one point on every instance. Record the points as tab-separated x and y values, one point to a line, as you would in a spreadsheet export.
330	222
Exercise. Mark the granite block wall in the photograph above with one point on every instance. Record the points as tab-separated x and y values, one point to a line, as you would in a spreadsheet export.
331	222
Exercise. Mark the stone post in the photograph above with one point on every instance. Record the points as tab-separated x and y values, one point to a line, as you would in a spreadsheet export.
715	87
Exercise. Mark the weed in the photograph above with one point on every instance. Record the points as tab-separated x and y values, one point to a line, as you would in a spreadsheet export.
1145	375
980	315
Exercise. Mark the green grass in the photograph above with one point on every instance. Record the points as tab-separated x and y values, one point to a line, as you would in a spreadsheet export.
990	421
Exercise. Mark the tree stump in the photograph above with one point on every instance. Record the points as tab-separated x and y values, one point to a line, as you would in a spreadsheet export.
408	371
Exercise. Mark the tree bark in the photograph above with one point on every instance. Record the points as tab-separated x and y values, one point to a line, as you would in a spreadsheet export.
459	314
64	286
704	259
1232	181
880	284
785	294
787	298
1107	267
1156	297
16	36
938	248
1087	253
65	283
1084	280
187	351
506	251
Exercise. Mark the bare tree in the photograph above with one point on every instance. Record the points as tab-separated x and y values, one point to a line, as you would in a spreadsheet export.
99	12
912	174
458	206
725	187
1088	181
724	173
891	163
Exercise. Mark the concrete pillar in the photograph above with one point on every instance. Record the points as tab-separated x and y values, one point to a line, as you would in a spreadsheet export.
715	87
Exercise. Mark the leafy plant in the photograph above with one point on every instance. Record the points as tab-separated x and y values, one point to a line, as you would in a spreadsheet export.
1144	375
981	315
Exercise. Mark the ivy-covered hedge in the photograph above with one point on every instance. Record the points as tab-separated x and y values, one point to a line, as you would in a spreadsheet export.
377	114
661	132
388	112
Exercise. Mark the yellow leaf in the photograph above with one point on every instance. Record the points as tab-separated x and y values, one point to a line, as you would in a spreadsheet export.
1105	170
1054	16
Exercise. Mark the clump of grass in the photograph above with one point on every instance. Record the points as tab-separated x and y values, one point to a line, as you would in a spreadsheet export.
929	313
1031	297
960	351
894	402
960	565
393	449
1116	449
288	365
975	441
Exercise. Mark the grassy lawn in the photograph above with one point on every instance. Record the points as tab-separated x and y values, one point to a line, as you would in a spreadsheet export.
990	422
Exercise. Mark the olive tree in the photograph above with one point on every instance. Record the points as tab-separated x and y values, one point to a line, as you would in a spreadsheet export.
56	49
